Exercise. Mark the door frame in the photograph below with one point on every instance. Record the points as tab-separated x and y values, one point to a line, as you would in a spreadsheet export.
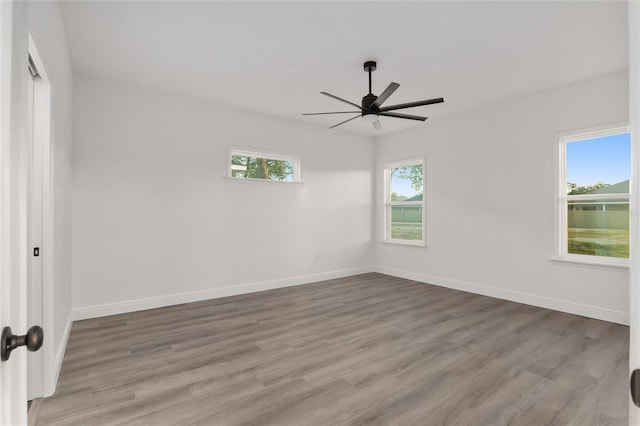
45	382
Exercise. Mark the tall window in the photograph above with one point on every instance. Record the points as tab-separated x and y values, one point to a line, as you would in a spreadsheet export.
594	198
404	202
245	164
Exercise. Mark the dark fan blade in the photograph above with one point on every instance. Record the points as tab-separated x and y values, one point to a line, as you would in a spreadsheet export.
412	104
392	87
395	114
339	112
345	121
340	99
376	124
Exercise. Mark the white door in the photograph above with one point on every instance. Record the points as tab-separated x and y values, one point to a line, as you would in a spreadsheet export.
13	204
634	121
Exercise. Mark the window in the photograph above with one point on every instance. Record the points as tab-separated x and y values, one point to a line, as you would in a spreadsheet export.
595	171
245	164
404	202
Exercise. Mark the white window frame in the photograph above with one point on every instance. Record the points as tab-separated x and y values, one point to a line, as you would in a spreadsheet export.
562	199
247	152
388	203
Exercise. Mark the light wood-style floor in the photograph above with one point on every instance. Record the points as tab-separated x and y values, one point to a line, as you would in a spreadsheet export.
364	350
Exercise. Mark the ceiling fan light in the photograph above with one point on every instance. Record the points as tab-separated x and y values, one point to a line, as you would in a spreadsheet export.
369	118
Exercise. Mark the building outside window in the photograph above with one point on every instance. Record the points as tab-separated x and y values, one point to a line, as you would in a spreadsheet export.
595	172
405	202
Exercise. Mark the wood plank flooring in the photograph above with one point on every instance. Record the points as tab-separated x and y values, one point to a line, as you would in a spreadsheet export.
364	350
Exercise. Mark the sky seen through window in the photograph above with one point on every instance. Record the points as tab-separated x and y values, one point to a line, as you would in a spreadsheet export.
606	159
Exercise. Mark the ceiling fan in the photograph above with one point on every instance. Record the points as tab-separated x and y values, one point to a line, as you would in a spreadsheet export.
372	108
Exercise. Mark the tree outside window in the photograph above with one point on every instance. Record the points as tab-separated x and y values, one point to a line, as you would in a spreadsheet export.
255	165
595	173
404	207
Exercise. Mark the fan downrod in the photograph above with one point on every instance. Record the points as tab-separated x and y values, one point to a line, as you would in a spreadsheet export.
369	66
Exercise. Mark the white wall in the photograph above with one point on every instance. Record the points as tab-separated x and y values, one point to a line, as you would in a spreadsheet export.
490	205
46	27
156	223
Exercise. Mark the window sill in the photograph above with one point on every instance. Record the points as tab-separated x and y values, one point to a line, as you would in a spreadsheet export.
420	244
602	264
262	181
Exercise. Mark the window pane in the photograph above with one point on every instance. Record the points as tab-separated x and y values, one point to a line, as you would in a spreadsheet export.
598	227
406	222
599	166
262	168
407	183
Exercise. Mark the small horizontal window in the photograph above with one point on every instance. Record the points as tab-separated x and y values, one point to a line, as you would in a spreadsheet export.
263	166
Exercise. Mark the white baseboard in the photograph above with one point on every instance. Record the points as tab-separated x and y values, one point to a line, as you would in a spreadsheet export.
596	312
618	317
54	371
195	296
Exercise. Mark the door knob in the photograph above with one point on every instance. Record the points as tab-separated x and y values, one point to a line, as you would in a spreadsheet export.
635	387
9	341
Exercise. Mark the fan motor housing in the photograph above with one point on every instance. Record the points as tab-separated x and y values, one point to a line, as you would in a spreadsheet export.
367	102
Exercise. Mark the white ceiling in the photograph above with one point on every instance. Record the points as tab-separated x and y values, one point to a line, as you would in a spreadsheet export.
275	57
